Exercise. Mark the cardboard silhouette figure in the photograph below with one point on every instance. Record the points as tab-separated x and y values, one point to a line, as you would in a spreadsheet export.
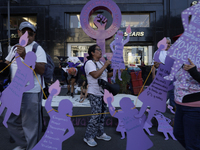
117	59
136	137
188	44
58	124
164	126
12	96
155	95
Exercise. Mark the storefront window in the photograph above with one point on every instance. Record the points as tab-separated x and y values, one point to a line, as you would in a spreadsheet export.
136	55
79	50
135	20
75	21
16	20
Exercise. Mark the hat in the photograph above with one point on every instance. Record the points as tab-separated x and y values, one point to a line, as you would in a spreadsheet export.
27	25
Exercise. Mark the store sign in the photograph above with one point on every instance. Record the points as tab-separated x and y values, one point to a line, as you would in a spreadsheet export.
134	34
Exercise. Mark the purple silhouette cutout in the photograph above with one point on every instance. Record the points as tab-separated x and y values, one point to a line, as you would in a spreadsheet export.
188	44
117	59
100	21
12	96
136	137
121	128
164	126
161	46
58	124
156	94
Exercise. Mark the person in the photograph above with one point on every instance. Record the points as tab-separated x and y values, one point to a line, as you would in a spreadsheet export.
62	64
162	56
96	69
84	93
26	127
72	77
187	118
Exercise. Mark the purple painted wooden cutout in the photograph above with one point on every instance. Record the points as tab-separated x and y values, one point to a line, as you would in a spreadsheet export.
136	137
100	21
12	96
58	124
162	45
155	95
117	59
23	39
188	44
164	126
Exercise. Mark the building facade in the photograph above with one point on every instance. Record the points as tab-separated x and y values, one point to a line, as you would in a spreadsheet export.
60	34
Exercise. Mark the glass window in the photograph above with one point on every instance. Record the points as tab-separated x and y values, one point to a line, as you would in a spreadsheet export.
135	55
135	20
75	21
16	20
79	50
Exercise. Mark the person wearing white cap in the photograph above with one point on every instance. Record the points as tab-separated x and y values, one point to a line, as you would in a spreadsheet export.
25	129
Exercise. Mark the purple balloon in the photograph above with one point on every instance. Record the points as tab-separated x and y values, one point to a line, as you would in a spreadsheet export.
188	44
12	96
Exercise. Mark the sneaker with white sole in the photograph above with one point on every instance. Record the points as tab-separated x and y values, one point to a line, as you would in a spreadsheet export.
90	142
104	137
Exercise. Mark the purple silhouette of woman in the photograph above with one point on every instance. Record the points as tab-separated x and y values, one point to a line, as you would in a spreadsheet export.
136	137
117	59
12	96
188	44
58	124
155	95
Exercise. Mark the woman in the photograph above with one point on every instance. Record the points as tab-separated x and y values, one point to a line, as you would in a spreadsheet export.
187	117
84	93
96	69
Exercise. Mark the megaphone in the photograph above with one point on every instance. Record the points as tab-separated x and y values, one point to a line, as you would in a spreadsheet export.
112	88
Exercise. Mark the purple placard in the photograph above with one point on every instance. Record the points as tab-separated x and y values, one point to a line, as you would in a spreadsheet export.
187	46
100	21
58	124
155	95
12	96
136	137
117	59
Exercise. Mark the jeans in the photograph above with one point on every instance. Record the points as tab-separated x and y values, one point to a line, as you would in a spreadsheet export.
187	126
170	96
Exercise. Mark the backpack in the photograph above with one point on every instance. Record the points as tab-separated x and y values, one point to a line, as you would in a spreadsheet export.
49	67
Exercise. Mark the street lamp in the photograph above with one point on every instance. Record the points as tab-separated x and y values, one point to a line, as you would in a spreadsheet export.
12	1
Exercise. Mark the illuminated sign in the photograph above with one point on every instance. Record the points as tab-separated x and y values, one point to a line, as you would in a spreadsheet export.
135	34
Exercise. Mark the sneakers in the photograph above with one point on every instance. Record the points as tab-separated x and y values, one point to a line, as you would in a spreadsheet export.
90	142
104	137
19	148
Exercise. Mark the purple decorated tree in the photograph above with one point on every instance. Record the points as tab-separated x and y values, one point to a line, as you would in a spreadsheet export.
58	124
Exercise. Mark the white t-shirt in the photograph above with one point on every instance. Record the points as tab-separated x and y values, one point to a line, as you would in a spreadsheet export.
93	86
162	56
41	57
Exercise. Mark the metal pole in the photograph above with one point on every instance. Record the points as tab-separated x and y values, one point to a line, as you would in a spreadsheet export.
9	26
